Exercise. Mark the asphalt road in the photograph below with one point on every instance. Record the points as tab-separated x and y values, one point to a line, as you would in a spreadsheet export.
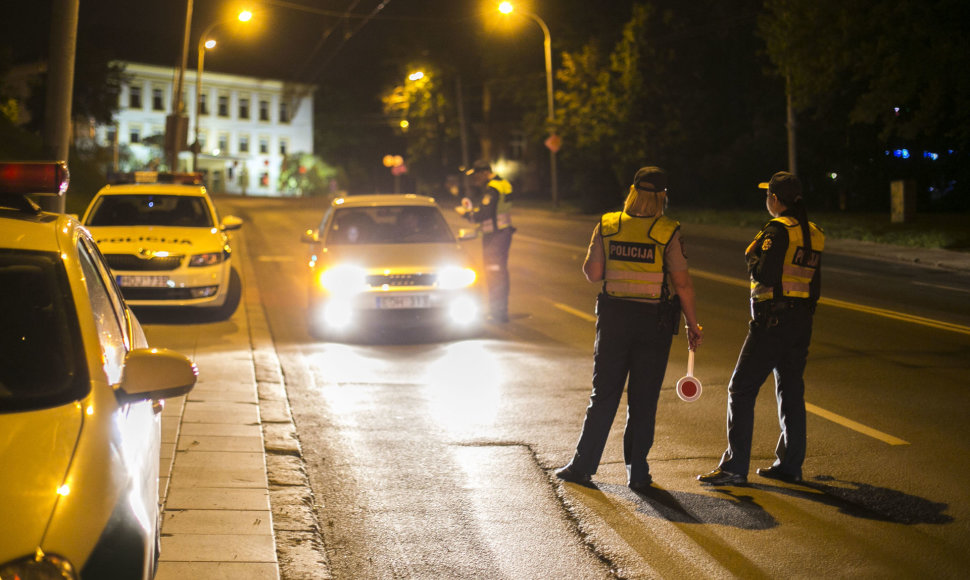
434	459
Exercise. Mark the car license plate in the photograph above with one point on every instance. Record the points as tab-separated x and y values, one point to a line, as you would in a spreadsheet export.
143	281
392	302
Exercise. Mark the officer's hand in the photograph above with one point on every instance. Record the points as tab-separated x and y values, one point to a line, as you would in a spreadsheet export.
695	336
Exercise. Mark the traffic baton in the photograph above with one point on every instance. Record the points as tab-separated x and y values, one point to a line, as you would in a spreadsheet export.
688	387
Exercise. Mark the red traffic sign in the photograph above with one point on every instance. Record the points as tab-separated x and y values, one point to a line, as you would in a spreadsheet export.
553	143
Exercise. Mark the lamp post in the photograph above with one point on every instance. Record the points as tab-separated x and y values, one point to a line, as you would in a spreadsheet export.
205	43
551	144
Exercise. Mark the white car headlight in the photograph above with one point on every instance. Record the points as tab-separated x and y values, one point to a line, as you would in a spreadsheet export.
40	567
210	259
453	277
344	280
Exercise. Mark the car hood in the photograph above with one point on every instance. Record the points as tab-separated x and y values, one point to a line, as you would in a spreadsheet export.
399	257
36	449
130	240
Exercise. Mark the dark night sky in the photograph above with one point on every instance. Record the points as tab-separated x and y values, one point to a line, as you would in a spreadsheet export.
286	43
282	42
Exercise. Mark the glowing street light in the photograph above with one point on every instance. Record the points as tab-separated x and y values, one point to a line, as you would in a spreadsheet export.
552	144
207	43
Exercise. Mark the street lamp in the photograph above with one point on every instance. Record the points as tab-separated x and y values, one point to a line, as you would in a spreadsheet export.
552	144
207	43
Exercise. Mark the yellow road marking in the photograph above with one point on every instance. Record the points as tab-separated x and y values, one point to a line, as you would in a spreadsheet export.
859	427
574	312
911	318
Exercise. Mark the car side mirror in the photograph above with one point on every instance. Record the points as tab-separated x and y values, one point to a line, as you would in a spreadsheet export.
155	373
311	236
231	222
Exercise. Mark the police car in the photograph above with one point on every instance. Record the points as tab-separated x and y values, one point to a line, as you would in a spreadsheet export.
389	261
80	399
165	243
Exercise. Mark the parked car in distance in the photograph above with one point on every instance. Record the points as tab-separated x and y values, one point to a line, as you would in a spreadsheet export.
165	242
80	399
389	261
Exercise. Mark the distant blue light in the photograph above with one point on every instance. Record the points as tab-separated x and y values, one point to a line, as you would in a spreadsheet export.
930	155
901	153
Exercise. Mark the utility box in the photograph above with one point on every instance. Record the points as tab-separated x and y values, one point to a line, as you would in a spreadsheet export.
903	200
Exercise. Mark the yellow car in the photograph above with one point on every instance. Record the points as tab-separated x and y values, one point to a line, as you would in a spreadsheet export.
389	261
80	399
166	244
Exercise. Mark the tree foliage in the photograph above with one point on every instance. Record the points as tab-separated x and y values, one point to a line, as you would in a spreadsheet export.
895	61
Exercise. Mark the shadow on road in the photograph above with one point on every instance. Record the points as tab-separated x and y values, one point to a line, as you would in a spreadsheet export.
862	500
739	510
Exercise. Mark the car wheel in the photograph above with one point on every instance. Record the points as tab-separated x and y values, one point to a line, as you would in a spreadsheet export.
233	298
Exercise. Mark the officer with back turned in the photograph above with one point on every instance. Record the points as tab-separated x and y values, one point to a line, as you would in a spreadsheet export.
784	262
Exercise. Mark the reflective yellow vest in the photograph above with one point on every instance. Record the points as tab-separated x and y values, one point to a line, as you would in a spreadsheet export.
634	248
503	207
800	264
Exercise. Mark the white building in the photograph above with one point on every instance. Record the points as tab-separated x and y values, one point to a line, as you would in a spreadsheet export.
246	128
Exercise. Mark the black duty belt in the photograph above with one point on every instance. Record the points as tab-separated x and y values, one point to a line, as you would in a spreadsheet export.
767	308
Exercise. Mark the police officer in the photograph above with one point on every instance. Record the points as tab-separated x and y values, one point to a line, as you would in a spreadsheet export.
638	255
784	263
493	212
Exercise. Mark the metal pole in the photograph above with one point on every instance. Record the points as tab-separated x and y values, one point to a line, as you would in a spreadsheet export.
198	100
790	125
178	105
60	89
551	118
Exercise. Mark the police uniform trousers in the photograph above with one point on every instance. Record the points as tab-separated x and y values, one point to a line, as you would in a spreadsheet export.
495	255
777	342
632	347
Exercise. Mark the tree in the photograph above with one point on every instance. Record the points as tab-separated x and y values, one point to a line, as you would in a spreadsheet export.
681	88
423	112
881	71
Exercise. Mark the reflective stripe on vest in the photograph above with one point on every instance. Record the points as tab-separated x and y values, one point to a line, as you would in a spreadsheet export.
800	265
503	207
634	248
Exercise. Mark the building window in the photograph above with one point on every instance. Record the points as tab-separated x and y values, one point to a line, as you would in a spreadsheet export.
244	143
263	110
223	105
134	134
223	143
111	134
134	97
284	113
244	108
283	146
158	100
263	145
203	105
201	139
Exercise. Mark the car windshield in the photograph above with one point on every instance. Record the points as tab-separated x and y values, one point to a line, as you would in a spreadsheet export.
151	210
40	360
404	224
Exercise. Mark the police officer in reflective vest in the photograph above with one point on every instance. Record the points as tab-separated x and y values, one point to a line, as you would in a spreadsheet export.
493	212
784	262
638	254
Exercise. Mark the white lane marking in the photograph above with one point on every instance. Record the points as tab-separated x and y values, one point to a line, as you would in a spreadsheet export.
858	427
561	245
275	258
942	287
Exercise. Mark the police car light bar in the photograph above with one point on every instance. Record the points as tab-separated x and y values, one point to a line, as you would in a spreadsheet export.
32	177
178	178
